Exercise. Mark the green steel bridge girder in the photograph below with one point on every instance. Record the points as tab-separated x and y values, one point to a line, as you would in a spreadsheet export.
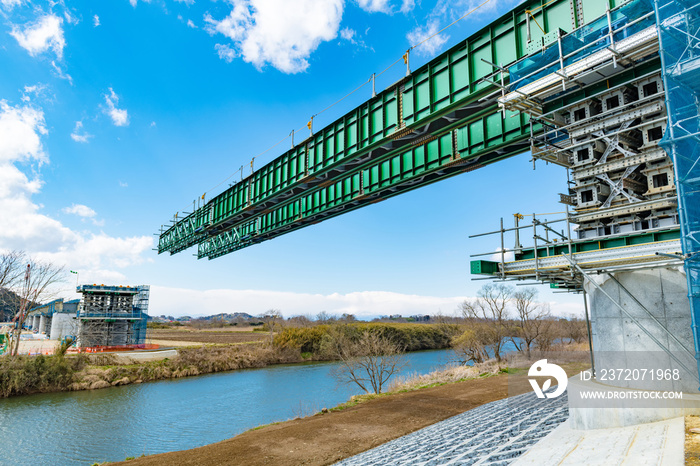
397	173
446	92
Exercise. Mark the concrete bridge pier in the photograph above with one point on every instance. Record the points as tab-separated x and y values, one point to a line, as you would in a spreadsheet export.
642	342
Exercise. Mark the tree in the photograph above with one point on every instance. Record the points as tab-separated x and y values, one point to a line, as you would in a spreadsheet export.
574	328
368	361
324	317
33	287
532	319
491	308
470	346
10	272
273	321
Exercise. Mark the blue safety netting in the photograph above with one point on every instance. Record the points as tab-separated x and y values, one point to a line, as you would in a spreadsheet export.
679	40
582	42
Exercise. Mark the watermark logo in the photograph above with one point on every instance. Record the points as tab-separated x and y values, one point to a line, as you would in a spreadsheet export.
542	368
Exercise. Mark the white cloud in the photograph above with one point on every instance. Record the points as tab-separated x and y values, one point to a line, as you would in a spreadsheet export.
119	116
21	131
79	134
38	90
176	301
44	34
123	184
191	24
407	5
10	4
374	6
431	46
348	34
277	32
96	20
59	72
225	52
186	2
80	210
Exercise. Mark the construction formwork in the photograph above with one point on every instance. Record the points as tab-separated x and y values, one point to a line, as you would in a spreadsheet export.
112	315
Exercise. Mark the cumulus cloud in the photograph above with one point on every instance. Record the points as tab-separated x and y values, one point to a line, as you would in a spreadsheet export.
79	134
119	116
21	131
96	20
277	32
43	34
190	24
431	46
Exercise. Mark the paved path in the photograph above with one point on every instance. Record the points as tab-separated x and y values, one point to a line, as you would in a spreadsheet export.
493	434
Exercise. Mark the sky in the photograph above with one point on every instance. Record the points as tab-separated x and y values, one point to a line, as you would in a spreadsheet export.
115	115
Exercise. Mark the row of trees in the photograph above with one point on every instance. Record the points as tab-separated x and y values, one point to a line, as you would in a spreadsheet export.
502	314
24	282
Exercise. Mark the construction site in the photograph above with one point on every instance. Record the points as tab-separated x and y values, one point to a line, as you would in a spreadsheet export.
106	317
609	91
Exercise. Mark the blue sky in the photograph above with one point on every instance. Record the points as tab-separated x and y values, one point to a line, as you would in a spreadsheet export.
116	114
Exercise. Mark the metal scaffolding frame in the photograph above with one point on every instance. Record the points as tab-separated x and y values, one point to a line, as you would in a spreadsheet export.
679	39
112	315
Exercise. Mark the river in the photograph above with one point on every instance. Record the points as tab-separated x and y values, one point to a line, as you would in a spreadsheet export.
115	423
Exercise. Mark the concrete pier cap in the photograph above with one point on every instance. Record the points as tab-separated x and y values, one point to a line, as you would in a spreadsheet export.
643	348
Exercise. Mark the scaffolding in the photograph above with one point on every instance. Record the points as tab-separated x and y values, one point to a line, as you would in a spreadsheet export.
679	39
112	315
624	123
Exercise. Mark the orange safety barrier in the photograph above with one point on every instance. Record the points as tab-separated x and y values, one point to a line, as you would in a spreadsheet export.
102	349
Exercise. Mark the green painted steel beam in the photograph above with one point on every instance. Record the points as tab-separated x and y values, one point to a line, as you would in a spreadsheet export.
445	96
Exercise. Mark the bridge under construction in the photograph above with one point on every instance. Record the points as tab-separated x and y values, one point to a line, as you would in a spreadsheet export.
607	89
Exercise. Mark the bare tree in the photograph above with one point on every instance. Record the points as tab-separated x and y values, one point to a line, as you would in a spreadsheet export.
471	346
34	286
369	361
273	321
574	328
324	317
491	307
10	272
531	321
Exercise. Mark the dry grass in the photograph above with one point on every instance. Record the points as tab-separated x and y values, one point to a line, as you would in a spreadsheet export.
216	336
692	441
573	354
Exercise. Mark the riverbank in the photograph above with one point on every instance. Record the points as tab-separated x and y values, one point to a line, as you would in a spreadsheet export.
213	351
363	423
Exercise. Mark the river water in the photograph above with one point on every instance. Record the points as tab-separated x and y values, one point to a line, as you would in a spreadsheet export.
114	423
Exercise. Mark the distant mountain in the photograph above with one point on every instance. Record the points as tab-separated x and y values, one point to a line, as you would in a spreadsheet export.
226	317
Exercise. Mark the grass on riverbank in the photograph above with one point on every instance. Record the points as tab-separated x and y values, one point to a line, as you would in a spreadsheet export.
24	375
572	354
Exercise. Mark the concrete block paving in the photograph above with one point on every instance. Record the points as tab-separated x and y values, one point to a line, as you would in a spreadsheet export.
494	434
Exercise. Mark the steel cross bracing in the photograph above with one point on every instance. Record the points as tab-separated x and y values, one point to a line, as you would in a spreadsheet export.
439	121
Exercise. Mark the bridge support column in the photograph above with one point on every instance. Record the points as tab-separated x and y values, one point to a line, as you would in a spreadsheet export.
642	342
